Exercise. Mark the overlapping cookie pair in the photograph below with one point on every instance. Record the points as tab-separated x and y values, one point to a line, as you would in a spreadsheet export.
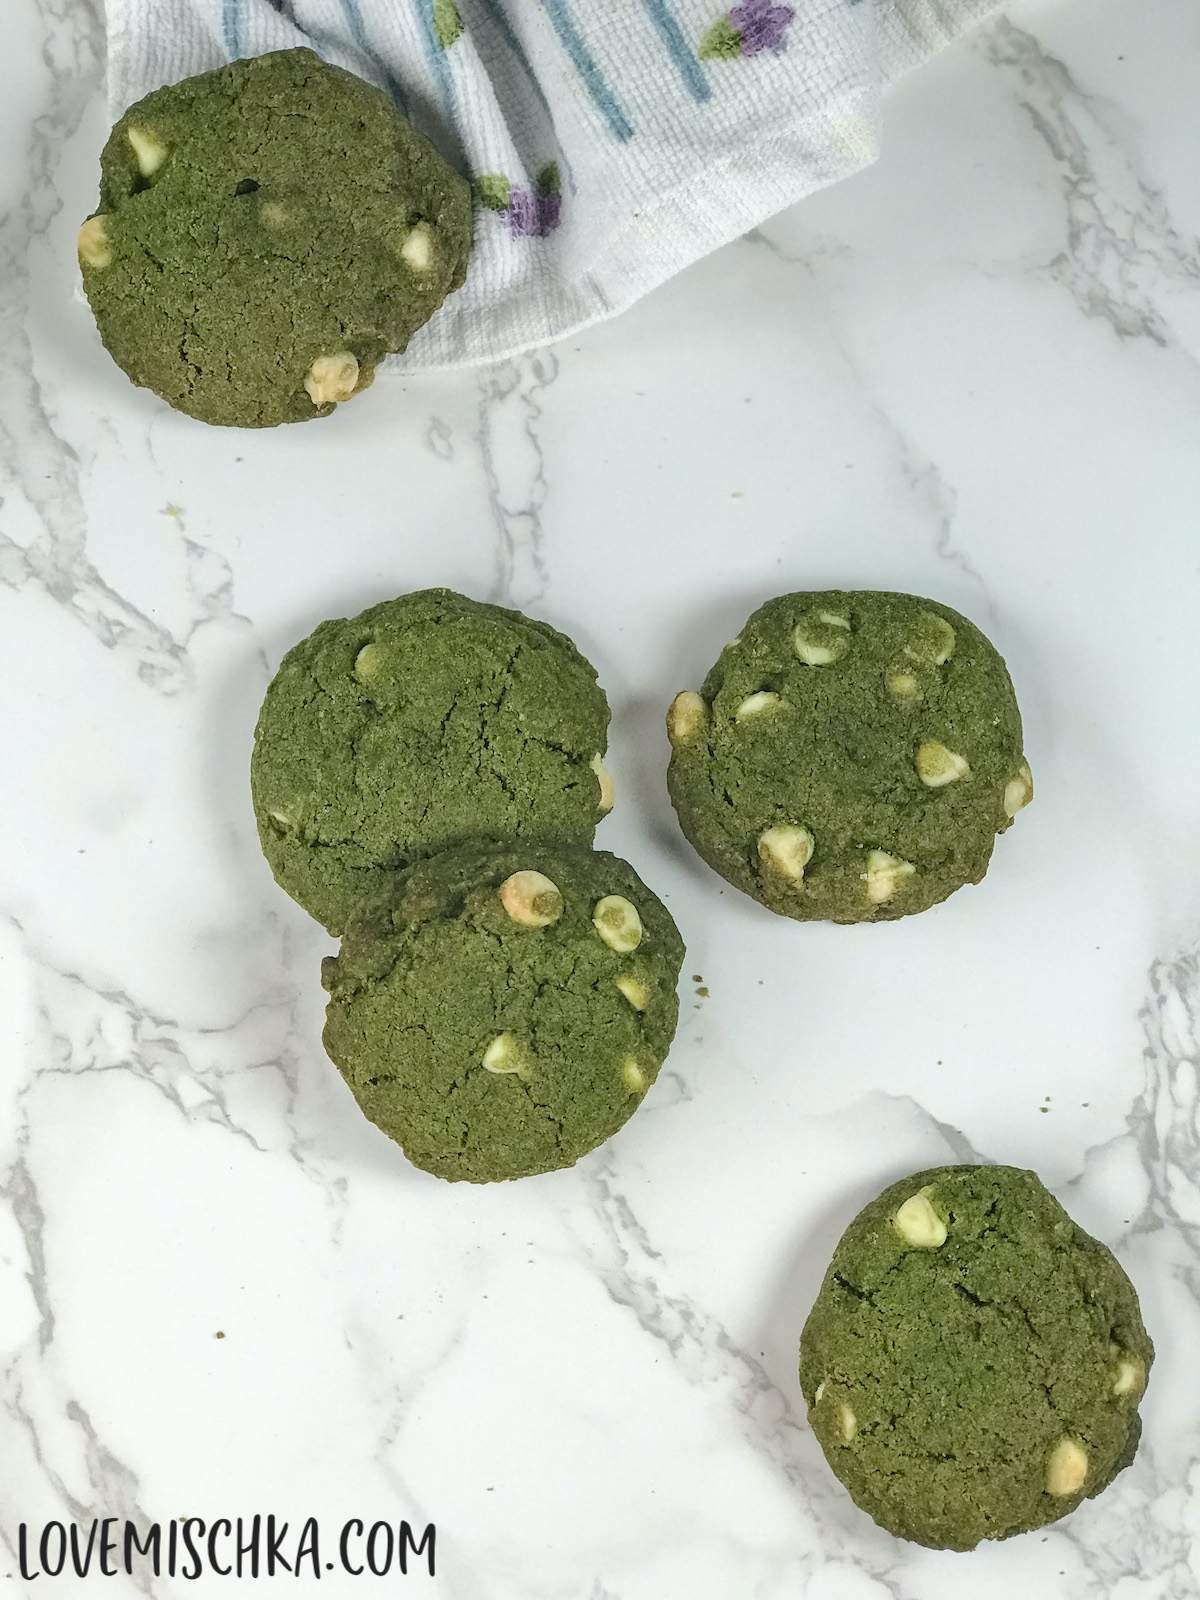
427	780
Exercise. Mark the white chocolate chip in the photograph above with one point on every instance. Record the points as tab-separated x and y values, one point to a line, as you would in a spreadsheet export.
503	1054
93	244
273	214
617	922
633	1076
903	685
844	1419
1018	791
884	876
531	899
688	712
417	250
815	645
754	704
1129	1376
332	378
634	990
937	766
815	655
281	817
368	662
1066	1468
608	791
834	620
934	642
148	151
918	1224
786	849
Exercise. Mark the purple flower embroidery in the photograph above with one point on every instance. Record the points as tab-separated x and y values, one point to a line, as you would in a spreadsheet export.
533	210
549	212
532	215
522	212
761	25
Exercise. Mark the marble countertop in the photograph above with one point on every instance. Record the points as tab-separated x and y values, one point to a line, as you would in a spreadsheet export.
972	372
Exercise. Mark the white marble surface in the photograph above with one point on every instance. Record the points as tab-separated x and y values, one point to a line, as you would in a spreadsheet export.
973	372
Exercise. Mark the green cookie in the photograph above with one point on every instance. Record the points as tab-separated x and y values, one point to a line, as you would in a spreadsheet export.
266	233
427	721
501	1010
852	756
974	1361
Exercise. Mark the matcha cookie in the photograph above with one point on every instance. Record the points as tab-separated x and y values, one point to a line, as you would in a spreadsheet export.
974	1361
502	1010
266	233
427	721
851	756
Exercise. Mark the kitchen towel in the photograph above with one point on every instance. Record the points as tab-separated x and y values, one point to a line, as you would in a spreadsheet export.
610	142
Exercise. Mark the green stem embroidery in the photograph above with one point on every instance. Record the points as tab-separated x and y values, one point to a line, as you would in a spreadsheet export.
722	42
494	191
447	23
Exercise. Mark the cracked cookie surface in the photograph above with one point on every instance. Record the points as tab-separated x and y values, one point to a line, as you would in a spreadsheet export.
265	234
499	1011
425	722
851	757
974	1360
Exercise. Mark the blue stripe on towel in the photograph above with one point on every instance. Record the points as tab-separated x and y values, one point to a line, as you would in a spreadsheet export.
559	12
689	69
436	56
503	26
508	33
352	11
231	18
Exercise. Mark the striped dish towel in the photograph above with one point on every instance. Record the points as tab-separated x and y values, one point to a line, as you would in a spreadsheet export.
610	142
